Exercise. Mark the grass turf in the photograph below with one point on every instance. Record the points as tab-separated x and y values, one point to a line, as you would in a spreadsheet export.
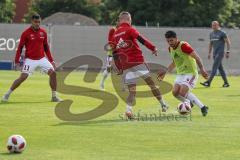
30	113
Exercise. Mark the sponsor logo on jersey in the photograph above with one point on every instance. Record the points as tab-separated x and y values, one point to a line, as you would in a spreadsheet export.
122	44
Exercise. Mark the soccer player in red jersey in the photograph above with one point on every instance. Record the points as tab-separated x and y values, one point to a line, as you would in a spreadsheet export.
34	39
129	60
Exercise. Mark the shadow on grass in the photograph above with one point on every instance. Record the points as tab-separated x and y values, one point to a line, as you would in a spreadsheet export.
93	122
207	87
26	102
231	95
9	154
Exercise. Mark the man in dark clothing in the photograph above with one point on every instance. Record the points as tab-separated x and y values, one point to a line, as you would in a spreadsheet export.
218	38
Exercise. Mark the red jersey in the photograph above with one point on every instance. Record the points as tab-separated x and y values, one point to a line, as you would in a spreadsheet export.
110	34
127	51
185	47
36	45
111	42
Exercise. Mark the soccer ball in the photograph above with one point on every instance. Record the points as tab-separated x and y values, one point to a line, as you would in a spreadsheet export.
184	108
16	144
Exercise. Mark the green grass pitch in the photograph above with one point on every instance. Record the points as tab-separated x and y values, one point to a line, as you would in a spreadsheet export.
30	113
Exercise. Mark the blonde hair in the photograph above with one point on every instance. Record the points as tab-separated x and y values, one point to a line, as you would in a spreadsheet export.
124	15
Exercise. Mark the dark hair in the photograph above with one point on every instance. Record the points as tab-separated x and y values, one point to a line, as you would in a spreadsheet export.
35	16
170	34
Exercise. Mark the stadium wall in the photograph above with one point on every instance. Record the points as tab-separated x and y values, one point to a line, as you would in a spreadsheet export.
67	42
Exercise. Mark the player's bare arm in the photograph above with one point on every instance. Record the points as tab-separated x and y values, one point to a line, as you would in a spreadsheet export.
200	64
210	50
227	41
171	67
54	65
155	52
162	74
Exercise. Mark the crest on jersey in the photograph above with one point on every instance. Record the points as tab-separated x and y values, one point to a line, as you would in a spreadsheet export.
41	34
